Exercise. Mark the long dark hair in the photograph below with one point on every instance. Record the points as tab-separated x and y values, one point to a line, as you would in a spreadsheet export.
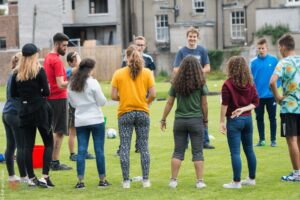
79	79
135	61
189	76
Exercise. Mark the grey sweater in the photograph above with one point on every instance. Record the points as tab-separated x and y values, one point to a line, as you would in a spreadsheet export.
87	103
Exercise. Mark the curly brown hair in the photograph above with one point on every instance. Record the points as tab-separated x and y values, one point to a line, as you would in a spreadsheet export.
135	61
189	76
239	71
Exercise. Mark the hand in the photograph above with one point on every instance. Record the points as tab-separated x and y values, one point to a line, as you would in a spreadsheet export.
205	124
279	99
237	112
223	128
163	125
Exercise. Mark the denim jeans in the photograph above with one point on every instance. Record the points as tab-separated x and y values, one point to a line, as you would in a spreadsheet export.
270	105
206	137
240	129
83	136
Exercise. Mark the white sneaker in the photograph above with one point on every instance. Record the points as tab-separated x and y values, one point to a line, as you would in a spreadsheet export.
14	178
173	183
233	185
146	183
43	182
24	180
248	181
200	184
126	184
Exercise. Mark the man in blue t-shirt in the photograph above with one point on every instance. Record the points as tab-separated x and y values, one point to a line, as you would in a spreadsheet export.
199	52
140	42
262	68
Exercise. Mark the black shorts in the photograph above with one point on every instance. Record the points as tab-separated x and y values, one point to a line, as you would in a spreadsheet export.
60	116
71	120
290	124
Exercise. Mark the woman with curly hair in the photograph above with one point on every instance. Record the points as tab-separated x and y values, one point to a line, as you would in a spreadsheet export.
239	97
133	86
190	116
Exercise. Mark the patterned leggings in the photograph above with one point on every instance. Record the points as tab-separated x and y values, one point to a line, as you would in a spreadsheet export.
140	121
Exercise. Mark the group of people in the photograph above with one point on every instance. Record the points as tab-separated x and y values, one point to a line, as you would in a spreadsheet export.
32	105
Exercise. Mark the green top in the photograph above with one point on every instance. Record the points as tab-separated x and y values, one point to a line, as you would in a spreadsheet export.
190	106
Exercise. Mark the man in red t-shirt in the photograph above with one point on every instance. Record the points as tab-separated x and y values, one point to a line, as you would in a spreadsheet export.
57	79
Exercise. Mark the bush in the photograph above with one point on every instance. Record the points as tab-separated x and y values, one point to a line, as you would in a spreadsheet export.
275	32
216	58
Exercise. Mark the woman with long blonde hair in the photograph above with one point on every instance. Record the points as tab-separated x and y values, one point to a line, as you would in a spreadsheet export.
29	83
14	135
130	86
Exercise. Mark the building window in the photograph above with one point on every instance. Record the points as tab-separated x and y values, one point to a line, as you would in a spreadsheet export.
238	25
292	2
2	43
98	6
162	28
198	6
73	4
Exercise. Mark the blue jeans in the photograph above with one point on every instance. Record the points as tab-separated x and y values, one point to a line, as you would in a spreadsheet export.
83	136
270	105
241	129
206	137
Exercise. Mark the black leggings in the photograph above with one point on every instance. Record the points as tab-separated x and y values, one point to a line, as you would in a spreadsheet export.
47	137
14	139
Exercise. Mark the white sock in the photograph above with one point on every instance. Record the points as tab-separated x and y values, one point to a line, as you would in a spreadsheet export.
296	172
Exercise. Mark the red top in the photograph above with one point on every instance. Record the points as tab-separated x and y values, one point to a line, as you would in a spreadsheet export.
235	97
55	68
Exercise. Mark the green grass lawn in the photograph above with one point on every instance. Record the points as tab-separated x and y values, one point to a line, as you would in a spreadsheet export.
272	163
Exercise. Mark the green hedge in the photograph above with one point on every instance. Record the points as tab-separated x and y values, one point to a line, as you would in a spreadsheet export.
216	58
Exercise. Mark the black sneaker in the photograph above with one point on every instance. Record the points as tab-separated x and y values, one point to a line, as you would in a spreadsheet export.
46	181
73	157
208	146
56	166
137	151
89	156
34	182
104	184
79	185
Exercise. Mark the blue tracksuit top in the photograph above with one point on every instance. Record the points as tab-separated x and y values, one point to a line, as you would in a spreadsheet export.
262	69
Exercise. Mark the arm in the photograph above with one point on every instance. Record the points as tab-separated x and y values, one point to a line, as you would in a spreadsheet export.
241	110
206	68
152	95
60	82
44	83
204	110
98	94
222	119
167	110
273	86
114	94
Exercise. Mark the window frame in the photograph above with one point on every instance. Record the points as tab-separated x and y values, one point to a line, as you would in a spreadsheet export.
292	3
201	7
5	45
163	30
237	27
94	7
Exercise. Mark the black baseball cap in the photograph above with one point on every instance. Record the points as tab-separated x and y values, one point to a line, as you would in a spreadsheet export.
29	49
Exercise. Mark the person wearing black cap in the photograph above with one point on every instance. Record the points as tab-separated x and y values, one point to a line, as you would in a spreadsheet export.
29	83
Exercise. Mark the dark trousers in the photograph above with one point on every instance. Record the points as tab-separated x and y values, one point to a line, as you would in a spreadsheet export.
47	137
270	105
14	140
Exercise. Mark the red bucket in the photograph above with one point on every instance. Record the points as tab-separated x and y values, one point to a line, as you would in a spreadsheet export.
37	156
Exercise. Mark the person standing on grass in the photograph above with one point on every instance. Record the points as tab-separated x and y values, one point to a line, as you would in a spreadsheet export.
14	134
140	42
190	116
239	97
199	52
262	68
57	78
73	60
288	71
85	95
29	83
130	86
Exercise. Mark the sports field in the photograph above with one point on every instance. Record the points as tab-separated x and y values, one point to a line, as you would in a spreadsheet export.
272	163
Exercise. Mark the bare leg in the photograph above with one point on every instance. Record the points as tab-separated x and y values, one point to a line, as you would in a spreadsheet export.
292	142
72	136
175	166
57	138
199	169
